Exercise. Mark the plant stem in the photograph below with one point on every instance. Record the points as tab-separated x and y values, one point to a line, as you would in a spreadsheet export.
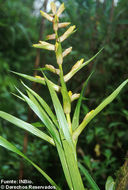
71	159
67	153
69	122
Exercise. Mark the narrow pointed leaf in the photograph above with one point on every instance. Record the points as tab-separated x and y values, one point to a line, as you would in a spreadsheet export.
64	164
38	110
73	166
88	177
31	78
17	96
75	121
26	126
43	104
107	101
37	79
4	143
38	124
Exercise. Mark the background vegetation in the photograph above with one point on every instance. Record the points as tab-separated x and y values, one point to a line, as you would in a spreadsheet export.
103	145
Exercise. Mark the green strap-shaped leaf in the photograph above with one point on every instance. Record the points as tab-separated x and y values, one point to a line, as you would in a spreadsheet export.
88	177
31	78
4	143
73	166
64	164
43	104
38	80
28	127
107	101
38	124
73	72
59	112
110	184
17	96
38	110
75	120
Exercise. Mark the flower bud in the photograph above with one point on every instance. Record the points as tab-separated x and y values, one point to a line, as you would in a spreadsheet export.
60	10
78	64
64	24
67	51
53	7
67	33
97	150
88	114
45	45
52	69
47	16
59	56
39	77
55	23
70	94
74	97
50	37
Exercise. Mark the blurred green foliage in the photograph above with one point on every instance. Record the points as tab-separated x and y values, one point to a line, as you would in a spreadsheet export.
104	143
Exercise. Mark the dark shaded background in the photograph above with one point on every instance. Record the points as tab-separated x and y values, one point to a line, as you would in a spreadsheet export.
103	146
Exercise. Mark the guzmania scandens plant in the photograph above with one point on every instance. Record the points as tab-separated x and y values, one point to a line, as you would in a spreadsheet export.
63	132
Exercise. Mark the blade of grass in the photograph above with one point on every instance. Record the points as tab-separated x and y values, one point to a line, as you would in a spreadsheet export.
38	110
37	124
108	100
26	126
38	80
73	166
17	96
4	143
75	121
43	104
64	164
88	177
31	78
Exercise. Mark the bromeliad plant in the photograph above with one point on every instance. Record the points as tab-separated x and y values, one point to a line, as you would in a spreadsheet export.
63	132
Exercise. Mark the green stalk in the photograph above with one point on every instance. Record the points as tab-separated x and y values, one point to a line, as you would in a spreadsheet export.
73	166
72	173
69	122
